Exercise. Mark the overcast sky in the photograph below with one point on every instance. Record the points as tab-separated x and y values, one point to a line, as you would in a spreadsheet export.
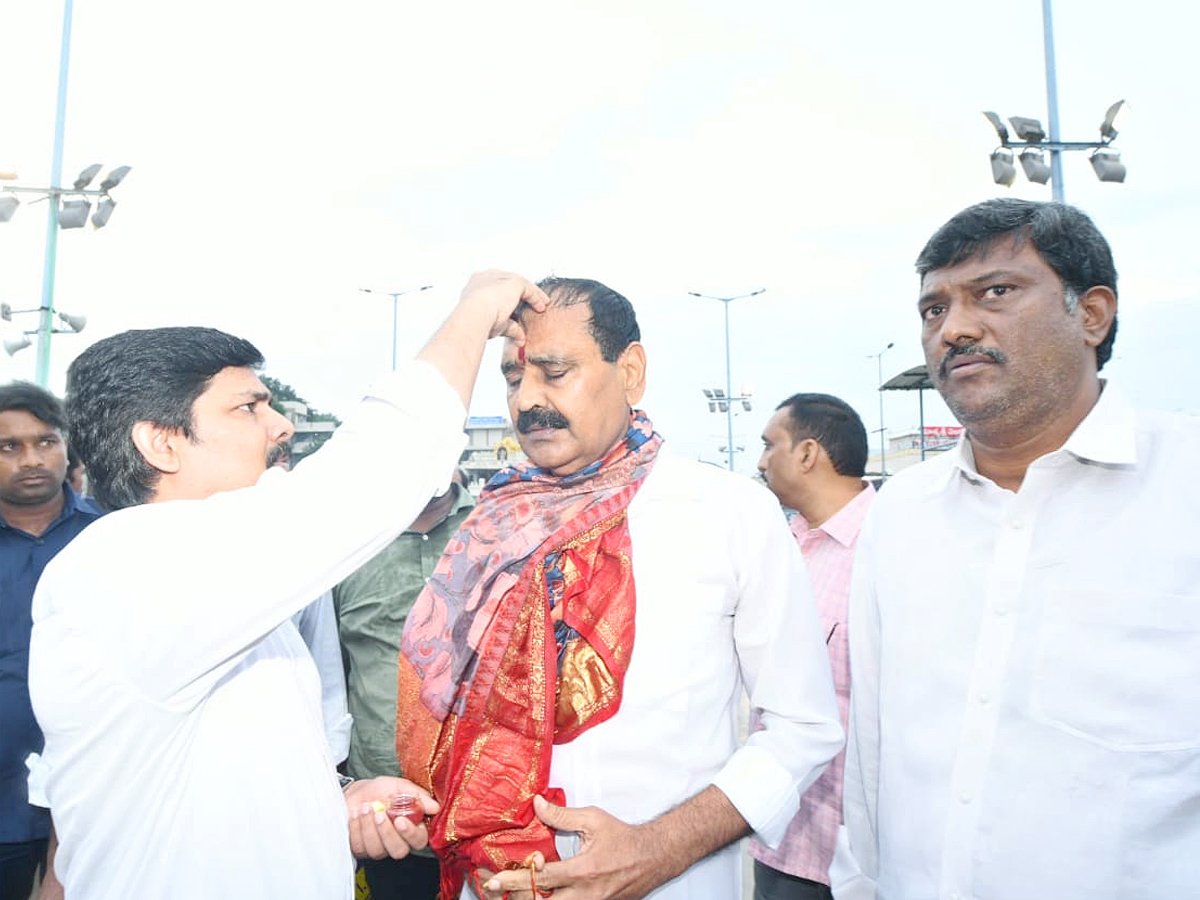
286	154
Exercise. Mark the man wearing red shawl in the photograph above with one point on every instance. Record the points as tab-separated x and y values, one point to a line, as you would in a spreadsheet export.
570	678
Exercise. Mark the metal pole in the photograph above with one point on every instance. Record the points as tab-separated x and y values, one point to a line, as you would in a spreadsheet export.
882	442
882	446
1056	172
728	386
46	318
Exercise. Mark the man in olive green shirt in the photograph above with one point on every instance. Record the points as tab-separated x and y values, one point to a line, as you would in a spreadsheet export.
372	605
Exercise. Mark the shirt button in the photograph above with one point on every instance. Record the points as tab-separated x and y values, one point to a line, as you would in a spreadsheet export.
965	797
984	699
424	537
1000	610
1016	525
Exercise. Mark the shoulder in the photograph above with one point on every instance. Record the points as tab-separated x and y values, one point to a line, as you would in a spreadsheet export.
686	479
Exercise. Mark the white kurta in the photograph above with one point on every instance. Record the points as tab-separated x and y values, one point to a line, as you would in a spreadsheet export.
1024	719
723	605
182	713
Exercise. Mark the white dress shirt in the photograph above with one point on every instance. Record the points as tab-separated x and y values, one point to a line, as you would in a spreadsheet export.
1025	719
723	605
182	714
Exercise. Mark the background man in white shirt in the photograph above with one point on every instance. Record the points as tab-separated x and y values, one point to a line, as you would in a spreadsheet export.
1025	616
184	738
722	605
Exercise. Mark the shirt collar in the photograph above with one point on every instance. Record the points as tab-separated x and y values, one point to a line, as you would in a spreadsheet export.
845	524
1107	435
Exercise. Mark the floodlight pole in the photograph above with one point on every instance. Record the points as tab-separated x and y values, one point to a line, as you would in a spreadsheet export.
728	370
395	295
1056	169
46	318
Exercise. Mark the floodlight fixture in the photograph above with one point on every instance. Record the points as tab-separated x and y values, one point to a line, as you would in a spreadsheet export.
75	323
19	341
115	177
1003	170
1108	166
86	176
1035	166
104	210
74	213
998	124
1108	129
15	342
8	206
1028	129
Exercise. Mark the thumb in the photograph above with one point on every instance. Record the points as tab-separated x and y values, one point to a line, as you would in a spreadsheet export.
560	818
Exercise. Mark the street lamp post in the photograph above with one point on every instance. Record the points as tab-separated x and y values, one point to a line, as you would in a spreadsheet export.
728	373
396	295
1033	141
878	357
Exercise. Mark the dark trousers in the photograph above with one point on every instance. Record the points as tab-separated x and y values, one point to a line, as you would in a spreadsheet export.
412	878
771	884
18	865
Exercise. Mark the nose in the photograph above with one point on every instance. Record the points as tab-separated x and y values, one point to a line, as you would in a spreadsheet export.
529	392
31	456
960	325
281	428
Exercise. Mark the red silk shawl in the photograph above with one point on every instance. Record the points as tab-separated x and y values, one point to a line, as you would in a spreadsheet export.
520	640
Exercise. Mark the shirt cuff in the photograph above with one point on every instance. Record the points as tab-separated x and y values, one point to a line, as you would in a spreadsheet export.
39	774
762	790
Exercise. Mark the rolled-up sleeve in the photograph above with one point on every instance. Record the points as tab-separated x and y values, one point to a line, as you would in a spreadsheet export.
785	668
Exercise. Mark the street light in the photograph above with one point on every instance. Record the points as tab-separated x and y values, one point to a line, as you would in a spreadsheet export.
1032	139
728	375
73	216
719	401
395	295
20	340
878	357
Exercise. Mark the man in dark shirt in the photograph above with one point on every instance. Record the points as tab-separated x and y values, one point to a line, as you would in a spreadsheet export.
372	606
39	515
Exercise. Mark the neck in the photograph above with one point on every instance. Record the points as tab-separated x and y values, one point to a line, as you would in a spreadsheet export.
1004	454
33	519
827	501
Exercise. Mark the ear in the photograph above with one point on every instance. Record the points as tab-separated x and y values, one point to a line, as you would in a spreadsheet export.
632	363
157	444
808	454
1097	309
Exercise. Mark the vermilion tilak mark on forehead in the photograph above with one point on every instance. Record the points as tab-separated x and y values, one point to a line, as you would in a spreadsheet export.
521	354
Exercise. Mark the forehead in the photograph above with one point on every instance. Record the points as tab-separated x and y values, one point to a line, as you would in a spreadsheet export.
21	422
232	382
1009	254
560	331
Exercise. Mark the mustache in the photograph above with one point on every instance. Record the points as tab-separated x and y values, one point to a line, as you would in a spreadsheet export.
967	350
540	417
280	453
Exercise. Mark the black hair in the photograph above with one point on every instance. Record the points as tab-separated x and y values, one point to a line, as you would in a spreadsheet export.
1063	236
833	424
37	401
613	324
141	376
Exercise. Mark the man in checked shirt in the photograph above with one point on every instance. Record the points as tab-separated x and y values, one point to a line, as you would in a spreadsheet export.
814	455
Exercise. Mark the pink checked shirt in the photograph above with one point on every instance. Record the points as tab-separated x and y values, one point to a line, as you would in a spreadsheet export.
807	848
